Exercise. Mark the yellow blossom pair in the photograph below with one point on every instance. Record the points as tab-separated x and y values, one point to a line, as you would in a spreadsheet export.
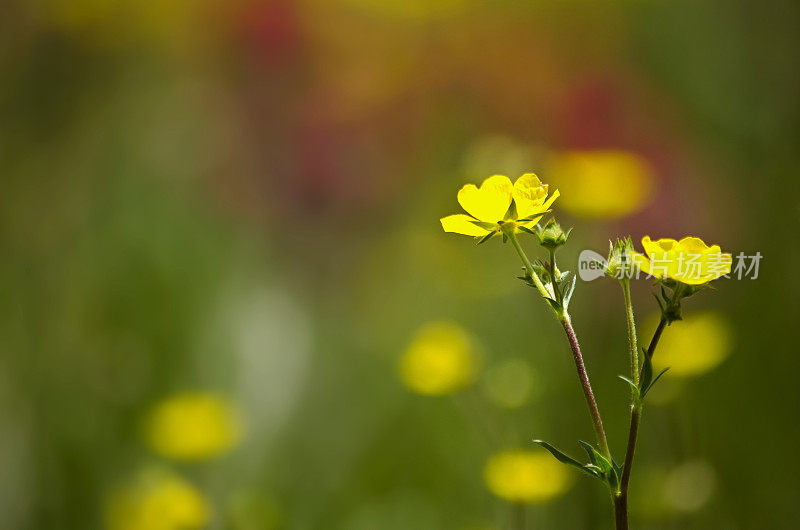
688	261
499	206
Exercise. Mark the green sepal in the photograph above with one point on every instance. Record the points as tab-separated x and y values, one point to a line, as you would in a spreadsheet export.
511	213
505	237
485	238
528	230
483	224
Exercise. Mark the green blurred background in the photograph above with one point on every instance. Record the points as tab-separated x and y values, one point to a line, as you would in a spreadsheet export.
234	205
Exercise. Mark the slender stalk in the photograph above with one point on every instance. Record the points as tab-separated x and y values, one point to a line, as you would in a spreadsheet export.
597	422
632	342
566	322
621	498
553	276
527	264
621	512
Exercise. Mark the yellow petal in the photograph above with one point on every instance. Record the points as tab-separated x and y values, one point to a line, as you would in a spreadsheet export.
640	261
462	224
490	202
658	247
695	245
544	207
529	195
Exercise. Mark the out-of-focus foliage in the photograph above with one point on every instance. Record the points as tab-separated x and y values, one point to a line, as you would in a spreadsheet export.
241	199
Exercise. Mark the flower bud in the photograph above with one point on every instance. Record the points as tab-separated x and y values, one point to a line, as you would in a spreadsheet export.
551	236
620	263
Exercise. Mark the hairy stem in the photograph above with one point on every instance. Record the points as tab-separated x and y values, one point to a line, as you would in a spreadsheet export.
621	499
633	345
527	264
594	412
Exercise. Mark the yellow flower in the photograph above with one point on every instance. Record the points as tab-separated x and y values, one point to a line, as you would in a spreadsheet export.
193	426
692	346
688	261
488	206
440	360
526	476
602	184
159	500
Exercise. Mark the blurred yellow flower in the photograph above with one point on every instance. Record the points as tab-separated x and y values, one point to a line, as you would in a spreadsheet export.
193	426
489	204
688	261
692	346
526	476
158	500
602	184
440	360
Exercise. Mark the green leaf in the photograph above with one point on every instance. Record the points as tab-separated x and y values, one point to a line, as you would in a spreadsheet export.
607	468
634	388
660	304
553	303
655	380
570	288
647	374
564	458
589	450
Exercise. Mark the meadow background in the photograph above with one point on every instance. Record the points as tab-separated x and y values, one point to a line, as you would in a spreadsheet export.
219	237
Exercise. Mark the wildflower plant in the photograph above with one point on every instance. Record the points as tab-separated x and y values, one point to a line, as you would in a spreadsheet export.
680	269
